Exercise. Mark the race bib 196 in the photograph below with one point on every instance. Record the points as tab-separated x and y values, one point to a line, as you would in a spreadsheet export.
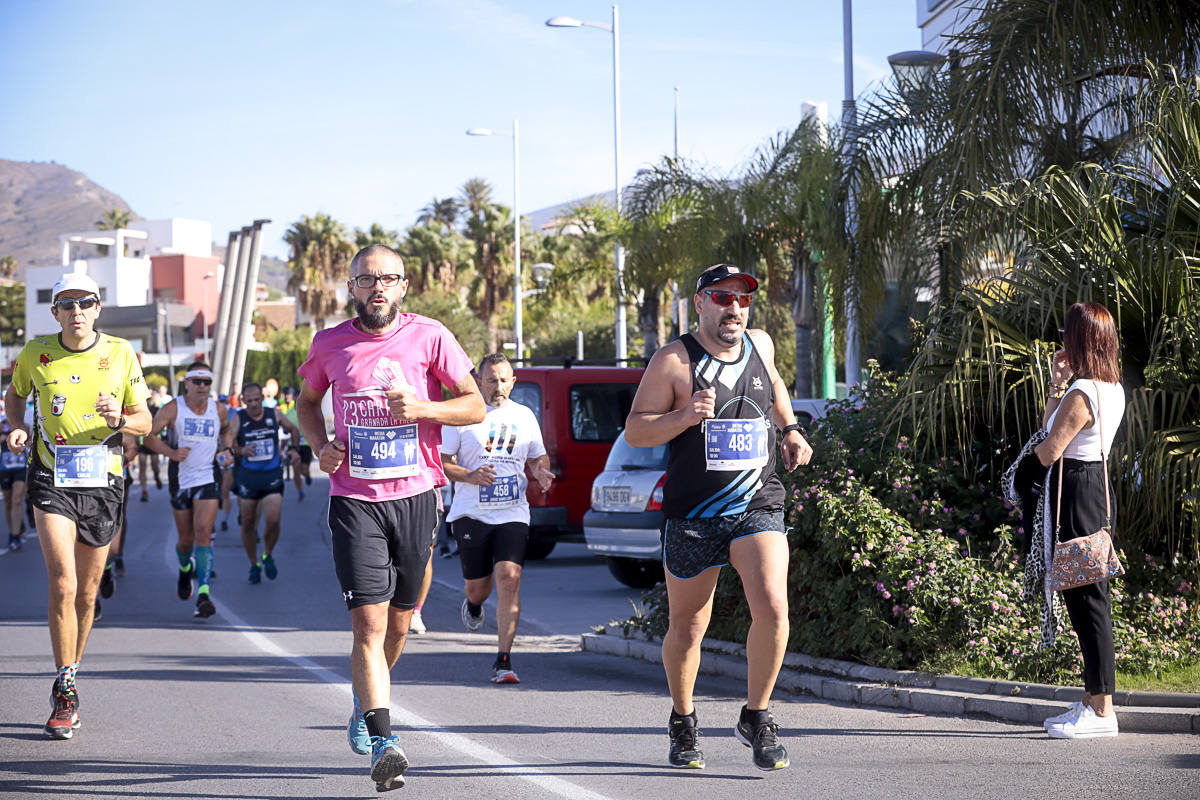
81	466
383	453
735	444
503	493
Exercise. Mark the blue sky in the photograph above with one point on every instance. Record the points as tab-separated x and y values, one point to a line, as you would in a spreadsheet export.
230	111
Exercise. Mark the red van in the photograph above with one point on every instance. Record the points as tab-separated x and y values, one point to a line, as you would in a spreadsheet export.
581	410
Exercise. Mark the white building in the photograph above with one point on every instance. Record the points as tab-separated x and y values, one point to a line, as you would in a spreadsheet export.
939	19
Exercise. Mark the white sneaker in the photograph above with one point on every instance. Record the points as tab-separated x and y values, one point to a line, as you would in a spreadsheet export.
1086	725
472	623
1069	714
416	624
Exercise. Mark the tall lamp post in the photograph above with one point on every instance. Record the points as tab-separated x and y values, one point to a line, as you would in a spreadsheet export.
203	315
850	129
614	29
518	329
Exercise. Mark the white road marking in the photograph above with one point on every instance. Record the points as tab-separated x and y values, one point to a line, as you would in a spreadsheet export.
463	744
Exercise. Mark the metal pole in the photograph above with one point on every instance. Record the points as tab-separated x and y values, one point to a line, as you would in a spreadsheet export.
518	330
579	345
246	329
622	351
849	127
681	309
233	339
221	332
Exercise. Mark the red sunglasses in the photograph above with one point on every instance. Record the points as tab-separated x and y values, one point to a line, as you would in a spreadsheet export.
724	298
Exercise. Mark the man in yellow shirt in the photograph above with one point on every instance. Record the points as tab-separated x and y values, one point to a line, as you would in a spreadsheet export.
88	390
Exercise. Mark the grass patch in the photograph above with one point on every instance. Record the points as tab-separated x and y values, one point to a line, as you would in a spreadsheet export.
1178	678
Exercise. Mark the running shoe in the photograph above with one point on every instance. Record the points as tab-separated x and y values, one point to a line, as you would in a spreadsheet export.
769	754
388	763
685	735
308	480
502	672
473	623
145	498
183	586
416	624
301	493
204	606
356	731
64	718
14	542
119	567
1086	724
107	584
269	568
255	573
157	482
224	525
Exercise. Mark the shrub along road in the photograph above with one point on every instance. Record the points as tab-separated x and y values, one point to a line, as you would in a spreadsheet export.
252	703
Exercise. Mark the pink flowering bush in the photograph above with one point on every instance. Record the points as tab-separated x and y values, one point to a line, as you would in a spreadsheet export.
906	562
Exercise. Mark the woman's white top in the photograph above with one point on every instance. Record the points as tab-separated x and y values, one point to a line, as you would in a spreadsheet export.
1110	399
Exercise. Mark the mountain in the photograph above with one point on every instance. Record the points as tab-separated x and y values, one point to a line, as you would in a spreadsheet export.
38	201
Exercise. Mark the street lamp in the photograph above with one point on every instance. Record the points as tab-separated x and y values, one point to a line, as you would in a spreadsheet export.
203	310
518	331
850	146
914	71
614	29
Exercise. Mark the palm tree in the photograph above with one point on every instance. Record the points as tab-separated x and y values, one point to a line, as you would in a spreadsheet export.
8	267
376	234
443	211
438	254
490	230
476	195
319	253
1126	236
114	219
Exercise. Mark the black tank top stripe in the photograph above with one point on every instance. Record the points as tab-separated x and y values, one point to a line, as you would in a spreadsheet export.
744	391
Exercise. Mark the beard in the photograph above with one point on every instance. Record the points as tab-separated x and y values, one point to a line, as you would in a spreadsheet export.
376	320
726	336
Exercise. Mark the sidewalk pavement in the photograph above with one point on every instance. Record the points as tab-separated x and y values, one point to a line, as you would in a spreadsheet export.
846	682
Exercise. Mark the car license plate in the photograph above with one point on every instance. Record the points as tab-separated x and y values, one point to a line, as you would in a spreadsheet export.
616	495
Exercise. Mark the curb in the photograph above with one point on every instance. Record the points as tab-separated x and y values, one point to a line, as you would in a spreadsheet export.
844	682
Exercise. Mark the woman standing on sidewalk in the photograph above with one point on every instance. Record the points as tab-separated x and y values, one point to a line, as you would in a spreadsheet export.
1083	411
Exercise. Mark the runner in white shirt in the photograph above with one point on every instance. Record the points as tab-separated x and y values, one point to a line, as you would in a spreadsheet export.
490	515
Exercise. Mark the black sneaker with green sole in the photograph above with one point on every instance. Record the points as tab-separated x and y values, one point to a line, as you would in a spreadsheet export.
685	734
761	736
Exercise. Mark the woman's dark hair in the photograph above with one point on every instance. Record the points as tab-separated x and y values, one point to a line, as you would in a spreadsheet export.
1090	340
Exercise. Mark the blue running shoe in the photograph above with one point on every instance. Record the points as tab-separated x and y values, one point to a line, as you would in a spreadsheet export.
388	763
269	567
356	731
255	573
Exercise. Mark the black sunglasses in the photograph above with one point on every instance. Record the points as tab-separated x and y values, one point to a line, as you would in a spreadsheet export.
369	281
724	298
201	381
68	304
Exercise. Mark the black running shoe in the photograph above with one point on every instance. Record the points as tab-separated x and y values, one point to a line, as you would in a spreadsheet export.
184	586
119	567
769	754
685	733
107	584
204	606
97	614
64	719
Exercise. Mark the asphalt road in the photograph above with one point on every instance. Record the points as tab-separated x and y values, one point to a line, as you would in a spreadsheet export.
253	702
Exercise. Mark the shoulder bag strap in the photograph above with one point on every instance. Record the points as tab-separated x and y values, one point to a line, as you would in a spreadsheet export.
1103	460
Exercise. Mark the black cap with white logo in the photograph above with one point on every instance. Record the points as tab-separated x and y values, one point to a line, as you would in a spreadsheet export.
720	272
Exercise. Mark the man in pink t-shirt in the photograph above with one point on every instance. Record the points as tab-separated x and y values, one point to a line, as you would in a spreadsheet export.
386	370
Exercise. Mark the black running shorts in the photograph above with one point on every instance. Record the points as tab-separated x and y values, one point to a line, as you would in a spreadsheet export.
10	476
251	485
692	546
182	499
481	546
306	454
380	548
95	512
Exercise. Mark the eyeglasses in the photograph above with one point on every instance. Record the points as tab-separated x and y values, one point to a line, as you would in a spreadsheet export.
68	304
369	281
201	381
723	298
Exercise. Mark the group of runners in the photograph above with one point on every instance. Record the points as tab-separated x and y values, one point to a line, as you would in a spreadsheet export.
714	396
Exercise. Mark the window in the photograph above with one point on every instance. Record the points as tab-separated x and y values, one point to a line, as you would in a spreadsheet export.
529	395
598	410
43	296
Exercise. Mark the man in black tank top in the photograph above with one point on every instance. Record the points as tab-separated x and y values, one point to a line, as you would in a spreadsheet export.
716	398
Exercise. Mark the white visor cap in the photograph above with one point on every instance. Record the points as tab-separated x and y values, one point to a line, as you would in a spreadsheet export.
74	280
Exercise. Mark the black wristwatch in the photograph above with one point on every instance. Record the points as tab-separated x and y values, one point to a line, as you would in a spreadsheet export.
120	424
795	426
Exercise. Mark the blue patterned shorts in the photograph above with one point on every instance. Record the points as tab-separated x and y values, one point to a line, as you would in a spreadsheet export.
691	546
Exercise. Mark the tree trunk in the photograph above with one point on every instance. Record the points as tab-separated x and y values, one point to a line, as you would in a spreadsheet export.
650	320
804	316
